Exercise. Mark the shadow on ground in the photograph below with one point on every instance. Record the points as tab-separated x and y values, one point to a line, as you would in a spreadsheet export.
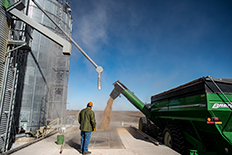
74	145
140	137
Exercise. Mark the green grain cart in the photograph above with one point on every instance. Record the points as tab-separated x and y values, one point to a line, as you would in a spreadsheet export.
194	118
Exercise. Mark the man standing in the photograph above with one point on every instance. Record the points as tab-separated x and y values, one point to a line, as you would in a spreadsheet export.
87	122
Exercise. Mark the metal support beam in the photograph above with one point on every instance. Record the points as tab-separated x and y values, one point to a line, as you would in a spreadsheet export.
18	47
197	144
15	42
40	28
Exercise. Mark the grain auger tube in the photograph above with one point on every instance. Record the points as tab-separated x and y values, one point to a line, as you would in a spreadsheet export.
120	88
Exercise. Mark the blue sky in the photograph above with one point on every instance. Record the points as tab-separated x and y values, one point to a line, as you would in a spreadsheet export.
151	46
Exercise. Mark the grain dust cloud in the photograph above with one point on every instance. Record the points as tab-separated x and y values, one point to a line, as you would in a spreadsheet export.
105	121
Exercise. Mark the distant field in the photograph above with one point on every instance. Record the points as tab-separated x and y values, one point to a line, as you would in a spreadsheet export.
116	117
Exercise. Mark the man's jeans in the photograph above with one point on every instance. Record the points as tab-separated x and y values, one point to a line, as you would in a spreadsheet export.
85	138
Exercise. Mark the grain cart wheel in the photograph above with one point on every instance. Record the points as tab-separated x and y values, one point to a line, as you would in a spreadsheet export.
173	137
143	124
148	126
153	130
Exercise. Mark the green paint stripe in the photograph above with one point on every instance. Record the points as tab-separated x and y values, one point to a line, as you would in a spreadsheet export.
6	4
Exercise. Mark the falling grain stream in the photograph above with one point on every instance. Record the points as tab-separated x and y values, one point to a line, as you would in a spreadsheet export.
105	122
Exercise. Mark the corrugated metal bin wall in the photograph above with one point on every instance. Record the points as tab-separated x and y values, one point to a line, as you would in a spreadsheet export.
46	77
4	30
36	79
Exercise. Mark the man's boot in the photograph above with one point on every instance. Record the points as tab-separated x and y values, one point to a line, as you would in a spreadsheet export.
88	152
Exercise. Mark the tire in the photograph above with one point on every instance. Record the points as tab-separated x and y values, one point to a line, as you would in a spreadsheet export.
143	124
151	128
173	137
148	126
153	131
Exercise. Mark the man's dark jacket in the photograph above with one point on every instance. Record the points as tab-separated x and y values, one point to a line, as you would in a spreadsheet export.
86	119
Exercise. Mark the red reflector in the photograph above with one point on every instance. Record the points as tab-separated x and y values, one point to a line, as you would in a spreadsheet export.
210	122
216	119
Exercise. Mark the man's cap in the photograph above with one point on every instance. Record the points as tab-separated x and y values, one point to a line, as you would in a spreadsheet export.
90	104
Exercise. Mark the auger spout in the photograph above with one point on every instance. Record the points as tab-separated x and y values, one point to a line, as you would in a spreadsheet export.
119	88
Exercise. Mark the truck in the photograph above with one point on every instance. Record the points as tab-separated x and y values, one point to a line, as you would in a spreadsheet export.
193	118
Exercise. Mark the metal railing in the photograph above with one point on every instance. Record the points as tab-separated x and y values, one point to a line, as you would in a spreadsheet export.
47	129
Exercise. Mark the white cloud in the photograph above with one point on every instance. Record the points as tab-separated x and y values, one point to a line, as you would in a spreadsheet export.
90	27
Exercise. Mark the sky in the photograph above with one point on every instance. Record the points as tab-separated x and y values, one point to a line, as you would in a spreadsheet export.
150	46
